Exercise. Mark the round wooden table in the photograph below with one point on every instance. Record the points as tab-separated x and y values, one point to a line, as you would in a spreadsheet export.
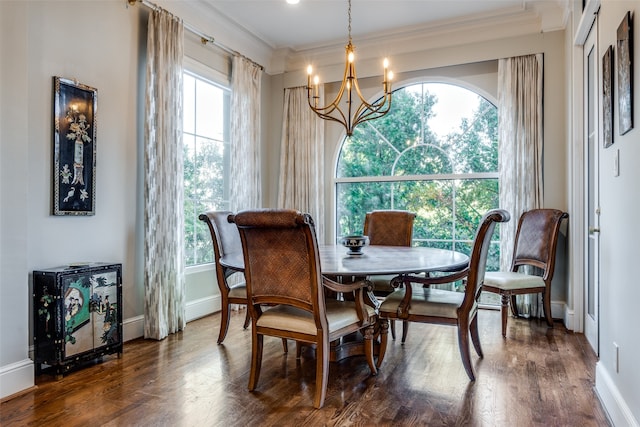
388	260
376	260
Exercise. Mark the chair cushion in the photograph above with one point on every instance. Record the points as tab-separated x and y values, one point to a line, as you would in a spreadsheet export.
425	302
285	317
508	280
238	291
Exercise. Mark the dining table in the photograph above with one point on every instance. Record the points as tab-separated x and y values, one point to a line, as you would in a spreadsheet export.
336	260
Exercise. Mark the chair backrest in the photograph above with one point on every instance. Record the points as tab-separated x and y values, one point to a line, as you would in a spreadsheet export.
536	239
281	259
225	239
224	235
479	252
389	227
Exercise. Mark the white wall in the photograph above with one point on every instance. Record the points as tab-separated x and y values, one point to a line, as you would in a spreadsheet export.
16	371
619	237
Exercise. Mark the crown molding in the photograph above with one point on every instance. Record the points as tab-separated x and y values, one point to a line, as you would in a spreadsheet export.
203	16
531	17
511	23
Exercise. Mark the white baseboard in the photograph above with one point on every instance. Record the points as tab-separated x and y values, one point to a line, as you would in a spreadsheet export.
16	377
568	318
557	309
203	307
133	327
614	404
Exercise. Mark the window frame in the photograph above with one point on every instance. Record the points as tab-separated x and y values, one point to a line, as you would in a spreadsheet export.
404	178
200	71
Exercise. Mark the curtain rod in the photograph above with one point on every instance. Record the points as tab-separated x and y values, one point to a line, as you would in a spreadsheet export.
204	38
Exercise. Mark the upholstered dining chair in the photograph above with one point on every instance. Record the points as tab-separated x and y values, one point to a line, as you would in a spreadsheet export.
428	305
286	292
389	228
226	240
535	245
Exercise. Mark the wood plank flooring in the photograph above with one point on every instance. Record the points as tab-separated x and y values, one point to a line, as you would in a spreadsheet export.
536	377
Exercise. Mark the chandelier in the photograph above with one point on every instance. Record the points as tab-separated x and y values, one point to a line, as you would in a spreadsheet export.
353	116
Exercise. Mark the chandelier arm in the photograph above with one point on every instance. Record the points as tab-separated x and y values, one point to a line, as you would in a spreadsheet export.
335	103
325	112
365	120
381	107
371	115
328	116
376	105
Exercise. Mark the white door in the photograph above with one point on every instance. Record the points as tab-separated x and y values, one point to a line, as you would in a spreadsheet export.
592	140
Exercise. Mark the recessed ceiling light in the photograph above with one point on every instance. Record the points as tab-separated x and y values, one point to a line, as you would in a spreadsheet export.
293	1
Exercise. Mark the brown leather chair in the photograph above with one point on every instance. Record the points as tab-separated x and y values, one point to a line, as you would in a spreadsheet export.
428	305
286	292
226	240
535	245
389	228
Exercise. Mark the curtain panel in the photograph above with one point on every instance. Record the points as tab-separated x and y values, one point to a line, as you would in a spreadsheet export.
301	183
164	302
520	141
245	171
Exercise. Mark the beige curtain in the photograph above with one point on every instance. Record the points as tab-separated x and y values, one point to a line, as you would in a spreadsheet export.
246	191
164	302
302	159
520	152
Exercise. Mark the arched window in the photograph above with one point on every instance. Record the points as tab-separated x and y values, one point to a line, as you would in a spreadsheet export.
436	154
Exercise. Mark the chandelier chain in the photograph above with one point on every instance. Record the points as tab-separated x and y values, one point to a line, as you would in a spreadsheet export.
349	21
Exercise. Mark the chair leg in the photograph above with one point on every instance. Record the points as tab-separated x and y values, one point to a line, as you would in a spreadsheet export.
247	319
256	360
369	332
504	310
514	306
384	335
393	329
298	349
463	343
475	336
405	330
546	301
322	372
224	322
285	346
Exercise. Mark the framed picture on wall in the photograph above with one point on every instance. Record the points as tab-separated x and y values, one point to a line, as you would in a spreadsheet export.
74	147
607	97
625	75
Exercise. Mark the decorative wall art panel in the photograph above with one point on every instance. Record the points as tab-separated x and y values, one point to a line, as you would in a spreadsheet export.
607	97
625	75
74	138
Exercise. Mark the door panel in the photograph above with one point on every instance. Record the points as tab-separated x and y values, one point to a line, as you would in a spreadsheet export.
592	139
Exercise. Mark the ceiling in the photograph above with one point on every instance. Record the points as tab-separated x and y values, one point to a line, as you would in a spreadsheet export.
313	24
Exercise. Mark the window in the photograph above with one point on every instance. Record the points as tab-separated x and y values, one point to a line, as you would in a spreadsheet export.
206	161
436	154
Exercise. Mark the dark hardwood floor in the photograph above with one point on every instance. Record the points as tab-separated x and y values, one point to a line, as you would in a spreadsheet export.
536	377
